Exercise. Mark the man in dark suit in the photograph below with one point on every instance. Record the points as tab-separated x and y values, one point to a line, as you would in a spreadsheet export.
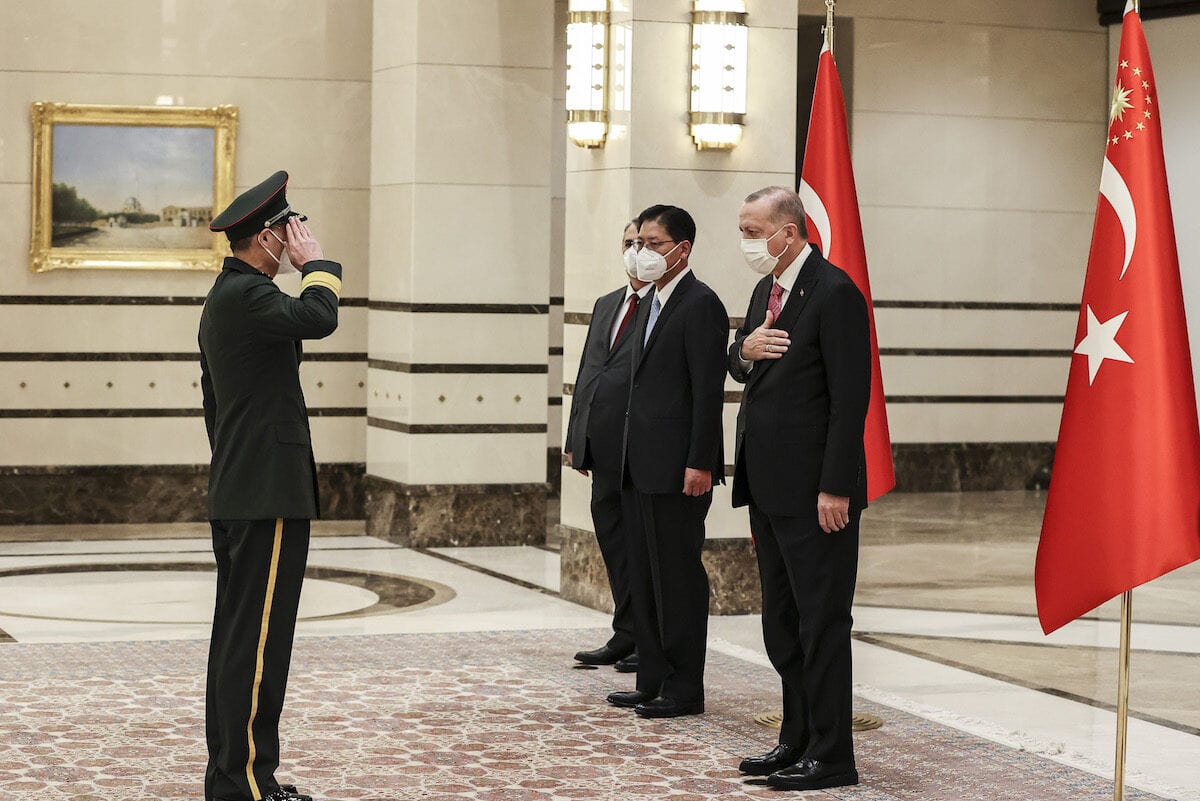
804	355
262	490
672	457
594	434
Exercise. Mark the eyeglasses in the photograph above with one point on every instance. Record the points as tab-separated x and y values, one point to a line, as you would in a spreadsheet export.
629	243
653	245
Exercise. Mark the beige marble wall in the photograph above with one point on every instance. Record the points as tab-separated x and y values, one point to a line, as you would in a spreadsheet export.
460	249
978	130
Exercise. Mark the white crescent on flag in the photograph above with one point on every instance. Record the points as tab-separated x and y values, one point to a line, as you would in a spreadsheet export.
815	209
1114	189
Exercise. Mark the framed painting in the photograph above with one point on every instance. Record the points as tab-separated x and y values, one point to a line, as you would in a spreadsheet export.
130	187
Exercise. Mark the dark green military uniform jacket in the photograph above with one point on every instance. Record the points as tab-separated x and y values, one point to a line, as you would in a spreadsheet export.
250	352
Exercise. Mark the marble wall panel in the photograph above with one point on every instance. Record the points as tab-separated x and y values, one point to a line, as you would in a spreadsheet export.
479	244
1071	15
394	22
493	458
989	255
112	328
393	107
976	328
977	70
506	33
437	515
444	398
935	161
486	112
939	375
453	338
974	422
148	440
305	39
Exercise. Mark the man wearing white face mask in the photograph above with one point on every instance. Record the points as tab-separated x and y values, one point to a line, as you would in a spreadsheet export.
804	355
672	458
262	489
593	445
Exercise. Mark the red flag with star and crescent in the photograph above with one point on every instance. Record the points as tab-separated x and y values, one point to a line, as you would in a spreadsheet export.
1124	500
831	203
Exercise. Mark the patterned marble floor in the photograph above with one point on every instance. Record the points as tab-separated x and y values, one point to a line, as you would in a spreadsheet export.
494	716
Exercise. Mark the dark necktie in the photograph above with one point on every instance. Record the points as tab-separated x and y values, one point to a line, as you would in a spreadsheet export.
629	313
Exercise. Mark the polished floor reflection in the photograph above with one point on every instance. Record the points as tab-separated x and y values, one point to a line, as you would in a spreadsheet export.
946	641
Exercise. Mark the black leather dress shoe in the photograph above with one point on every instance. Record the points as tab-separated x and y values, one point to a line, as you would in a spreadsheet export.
287	792
627	665
780	757
809	774
604	655
664	707
629	699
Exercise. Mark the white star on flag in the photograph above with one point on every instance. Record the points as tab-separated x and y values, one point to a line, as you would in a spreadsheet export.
1101	343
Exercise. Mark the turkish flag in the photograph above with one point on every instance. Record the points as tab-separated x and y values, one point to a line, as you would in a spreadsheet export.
1124	501
831	203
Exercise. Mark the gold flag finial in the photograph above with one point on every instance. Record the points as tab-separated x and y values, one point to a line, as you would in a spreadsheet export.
829	4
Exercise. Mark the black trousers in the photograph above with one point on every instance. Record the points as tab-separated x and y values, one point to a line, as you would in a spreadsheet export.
260	567
808	580
669	590
608	519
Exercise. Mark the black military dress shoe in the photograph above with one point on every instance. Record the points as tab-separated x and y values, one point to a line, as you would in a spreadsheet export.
664	707
604	655
627	665
287	792
809	774
628	699
780	757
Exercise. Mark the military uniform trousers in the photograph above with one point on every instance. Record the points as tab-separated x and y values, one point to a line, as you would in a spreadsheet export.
808	580
668	587
260	568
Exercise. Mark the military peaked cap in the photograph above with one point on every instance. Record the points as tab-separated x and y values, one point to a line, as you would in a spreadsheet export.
255	209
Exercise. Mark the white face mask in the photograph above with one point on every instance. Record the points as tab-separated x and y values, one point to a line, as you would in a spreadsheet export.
757	257
631	259
285	264
652	265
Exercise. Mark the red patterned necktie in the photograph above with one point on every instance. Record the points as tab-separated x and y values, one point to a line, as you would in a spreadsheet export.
629	312
775	303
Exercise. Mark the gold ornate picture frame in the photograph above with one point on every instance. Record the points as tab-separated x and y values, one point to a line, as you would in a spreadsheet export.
130	187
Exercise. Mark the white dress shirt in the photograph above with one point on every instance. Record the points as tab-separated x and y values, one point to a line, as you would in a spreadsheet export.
629	292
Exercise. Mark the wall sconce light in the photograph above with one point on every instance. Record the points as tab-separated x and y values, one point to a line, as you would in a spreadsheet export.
719	56
587	72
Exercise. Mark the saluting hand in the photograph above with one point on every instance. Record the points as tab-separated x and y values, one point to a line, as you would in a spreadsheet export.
696	482
302	246
765	342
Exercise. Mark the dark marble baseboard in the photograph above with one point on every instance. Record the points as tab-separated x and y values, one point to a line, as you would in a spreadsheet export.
78	495
442	515
972	466
731	565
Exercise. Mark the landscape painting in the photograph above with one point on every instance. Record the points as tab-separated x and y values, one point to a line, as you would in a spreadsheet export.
127	187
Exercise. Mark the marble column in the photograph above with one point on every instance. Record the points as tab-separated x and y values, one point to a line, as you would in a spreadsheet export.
459	255
650	158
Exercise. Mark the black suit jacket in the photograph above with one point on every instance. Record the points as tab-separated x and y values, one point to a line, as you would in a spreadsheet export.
677	390
800	425
250	352
597	421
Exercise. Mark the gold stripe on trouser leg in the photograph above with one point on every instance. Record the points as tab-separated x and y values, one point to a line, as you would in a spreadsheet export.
258	661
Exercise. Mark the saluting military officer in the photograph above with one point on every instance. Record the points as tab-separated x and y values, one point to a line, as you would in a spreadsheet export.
262	490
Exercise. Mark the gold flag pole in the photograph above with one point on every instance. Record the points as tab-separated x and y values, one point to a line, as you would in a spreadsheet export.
829	4
1123	691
